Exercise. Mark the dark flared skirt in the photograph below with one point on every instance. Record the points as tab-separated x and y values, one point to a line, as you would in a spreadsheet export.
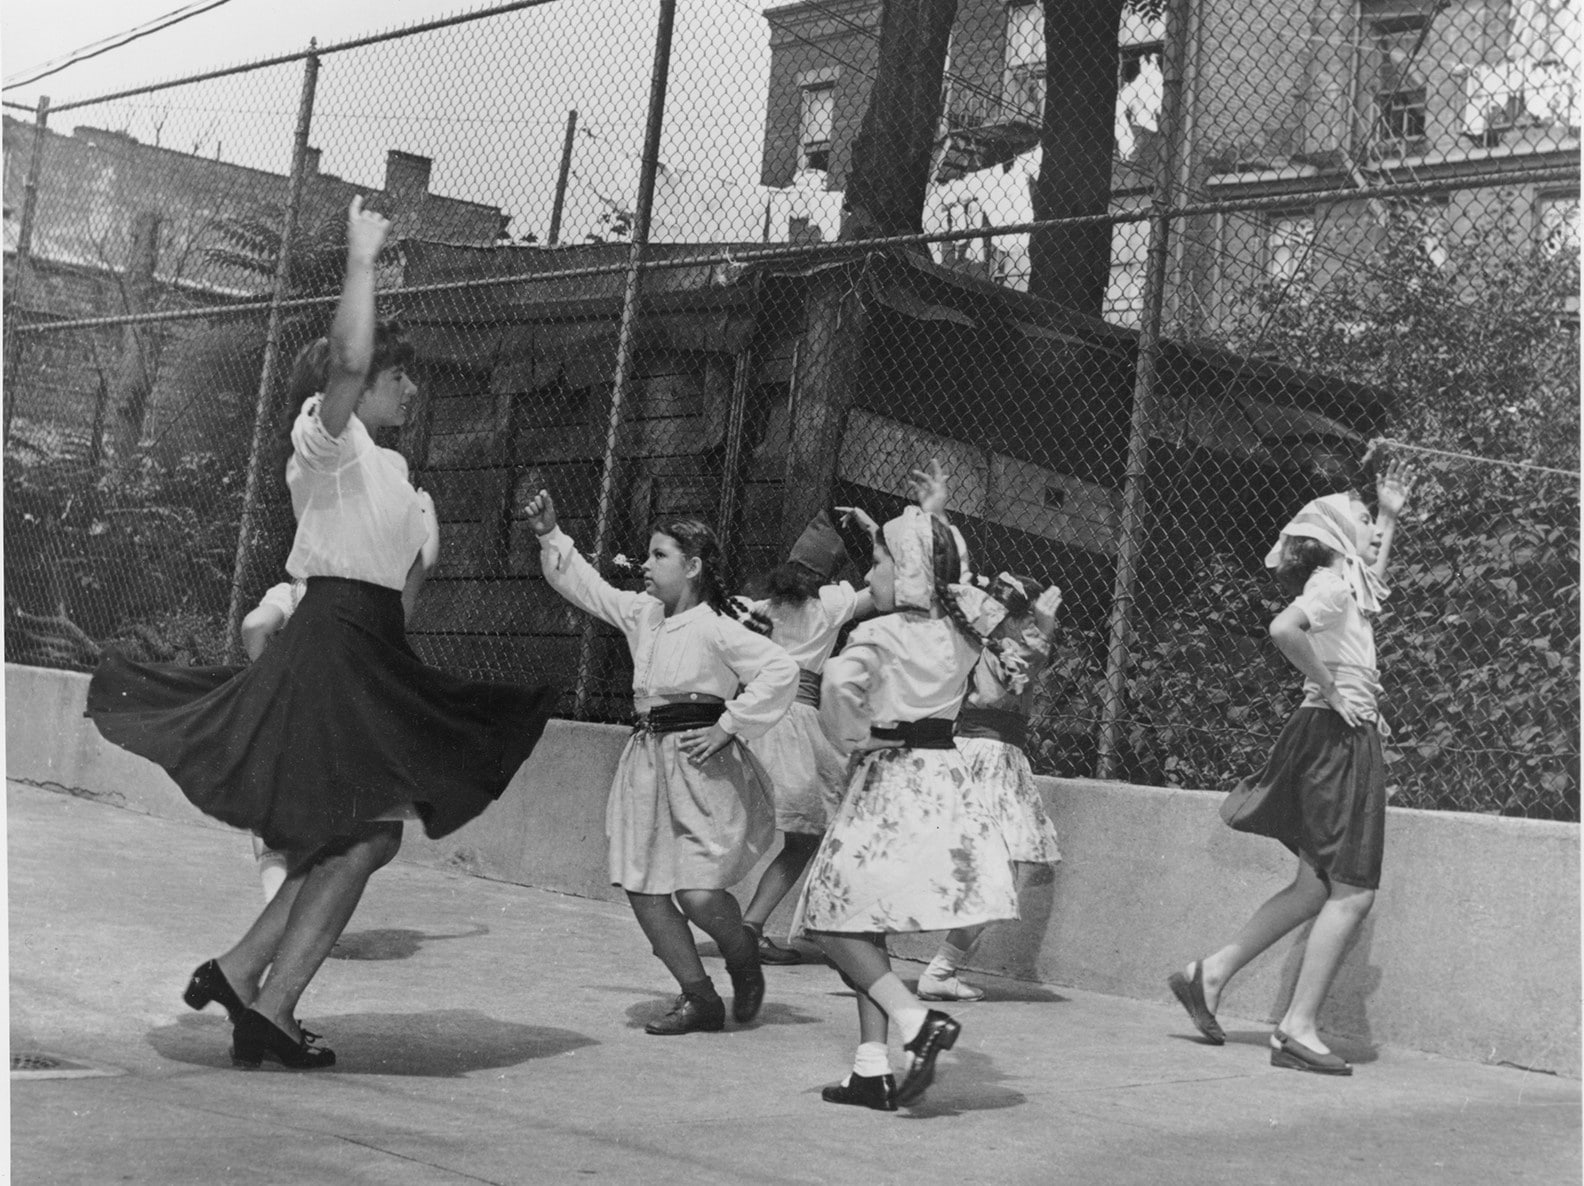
336	724
1322	794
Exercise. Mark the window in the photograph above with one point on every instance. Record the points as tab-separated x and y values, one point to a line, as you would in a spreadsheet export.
1023	88
1557	223
1288	239
815	121
1397	50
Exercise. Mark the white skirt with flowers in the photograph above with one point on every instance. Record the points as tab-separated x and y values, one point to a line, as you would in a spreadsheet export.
1003	776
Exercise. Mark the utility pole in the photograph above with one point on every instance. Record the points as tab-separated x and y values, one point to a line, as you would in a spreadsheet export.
561	181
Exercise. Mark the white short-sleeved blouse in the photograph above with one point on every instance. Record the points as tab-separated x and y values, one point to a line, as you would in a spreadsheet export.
358	516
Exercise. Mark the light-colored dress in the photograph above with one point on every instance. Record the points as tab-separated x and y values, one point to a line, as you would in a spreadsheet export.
807	773
674	824
914	846
1003	681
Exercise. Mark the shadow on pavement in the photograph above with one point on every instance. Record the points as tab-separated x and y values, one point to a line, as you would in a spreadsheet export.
966	1082
392	943
441	1044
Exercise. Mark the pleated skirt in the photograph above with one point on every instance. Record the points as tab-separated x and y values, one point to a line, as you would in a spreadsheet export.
675	824
336	724
914	847
807	773
1322	793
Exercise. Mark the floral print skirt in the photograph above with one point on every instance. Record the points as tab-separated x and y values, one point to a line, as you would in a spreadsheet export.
914	847
1002	774
807	773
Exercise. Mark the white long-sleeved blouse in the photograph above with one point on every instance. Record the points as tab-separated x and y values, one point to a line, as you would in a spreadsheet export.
900	667
697	650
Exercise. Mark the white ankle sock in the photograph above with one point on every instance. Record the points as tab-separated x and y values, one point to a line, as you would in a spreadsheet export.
946	962
901	1006
871	1060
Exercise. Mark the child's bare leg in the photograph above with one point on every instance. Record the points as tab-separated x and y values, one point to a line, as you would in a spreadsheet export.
864	963
1287	908
1334	928
666	928
780	876
716	913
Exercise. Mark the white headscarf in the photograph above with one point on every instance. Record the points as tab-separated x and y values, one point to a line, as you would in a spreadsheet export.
1330	520
910	538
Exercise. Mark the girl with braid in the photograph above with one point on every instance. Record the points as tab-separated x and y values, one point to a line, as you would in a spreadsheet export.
913	847
689	813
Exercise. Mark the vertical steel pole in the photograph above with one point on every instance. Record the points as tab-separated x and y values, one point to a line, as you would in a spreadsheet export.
1144	379
253	491
19	275
561	180
627	333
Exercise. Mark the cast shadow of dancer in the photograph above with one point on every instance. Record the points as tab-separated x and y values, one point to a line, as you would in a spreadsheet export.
642	1012
971	1082
393	943
439	1043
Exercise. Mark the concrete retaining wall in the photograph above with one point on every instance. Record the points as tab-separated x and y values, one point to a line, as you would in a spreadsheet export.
1472	950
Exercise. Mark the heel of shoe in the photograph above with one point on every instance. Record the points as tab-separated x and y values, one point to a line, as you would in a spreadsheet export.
195	997
1280	1058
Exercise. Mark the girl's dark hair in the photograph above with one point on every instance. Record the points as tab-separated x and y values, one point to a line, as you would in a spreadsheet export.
311	368
791	583
697	538
1017	600
948	571
1300	556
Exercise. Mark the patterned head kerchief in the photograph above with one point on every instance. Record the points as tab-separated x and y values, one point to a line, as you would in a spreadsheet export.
1330	520
910	538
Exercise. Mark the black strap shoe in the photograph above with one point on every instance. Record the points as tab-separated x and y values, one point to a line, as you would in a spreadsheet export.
865	1091
771	952
939	1032
208	984
690	1014
255	1038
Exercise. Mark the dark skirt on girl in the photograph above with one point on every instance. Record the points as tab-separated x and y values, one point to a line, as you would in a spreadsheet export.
1322	794
336	724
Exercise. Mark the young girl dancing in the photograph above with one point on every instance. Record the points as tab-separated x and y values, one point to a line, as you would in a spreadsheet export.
990	732
806	611
1322	792
689	813
338	730
912	847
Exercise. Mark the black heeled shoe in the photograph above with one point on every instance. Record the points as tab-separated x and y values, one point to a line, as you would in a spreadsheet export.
939	1032
865	1091
255	1038
748	989
771	952
208	984
690	1014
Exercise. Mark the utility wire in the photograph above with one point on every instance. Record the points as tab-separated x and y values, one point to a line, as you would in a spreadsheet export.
105	45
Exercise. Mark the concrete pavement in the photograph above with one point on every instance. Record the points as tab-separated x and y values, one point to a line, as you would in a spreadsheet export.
491	1033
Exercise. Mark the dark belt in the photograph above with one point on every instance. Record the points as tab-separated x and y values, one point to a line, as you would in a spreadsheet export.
930	733
674	718
997	724
808	688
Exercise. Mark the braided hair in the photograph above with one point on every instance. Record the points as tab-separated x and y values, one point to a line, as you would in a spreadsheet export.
948	566
697	539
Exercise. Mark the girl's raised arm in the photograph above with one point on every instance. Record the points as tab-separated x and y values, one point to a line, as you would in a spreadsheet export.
570	575
352	331
1391	496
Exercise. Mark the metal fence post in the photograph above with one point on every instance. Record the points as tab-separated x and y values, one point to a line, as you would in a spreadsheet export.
261	413
19	276
1120	628
627	333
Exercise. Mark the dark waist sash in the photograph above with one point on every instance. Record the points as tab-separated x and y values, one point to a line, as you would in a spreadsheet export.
997	724
808	688
930	733
674	718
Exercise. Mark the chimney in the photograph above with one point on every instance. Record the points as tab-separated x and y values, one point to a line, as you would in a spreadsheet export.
406	178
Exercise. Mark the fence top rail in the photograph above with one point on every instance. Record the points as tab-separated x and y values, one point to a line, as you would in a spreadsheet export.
458	18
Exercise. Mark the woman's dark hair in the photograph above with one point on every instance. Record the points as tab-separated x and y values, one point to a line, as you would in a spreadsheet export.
311	368
948	571
791	583
1300	556
697	539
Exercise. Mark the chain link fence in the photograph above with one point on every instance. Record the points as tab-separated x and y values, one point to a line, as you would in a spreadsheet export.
1144	276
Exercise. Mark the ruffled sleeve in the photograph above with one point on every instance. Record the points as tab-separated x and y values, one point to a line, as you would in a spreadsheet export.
1324	599
314	446
839	601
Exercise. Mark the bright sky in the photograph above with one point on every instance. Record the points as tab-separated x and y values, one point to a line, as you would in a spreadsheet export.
487	101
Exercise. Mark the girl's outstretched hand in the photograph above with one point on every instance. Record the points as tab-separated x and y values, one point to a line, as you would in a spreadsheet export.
929	487
366	231
541	513
1045	607
859	516
1394	486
